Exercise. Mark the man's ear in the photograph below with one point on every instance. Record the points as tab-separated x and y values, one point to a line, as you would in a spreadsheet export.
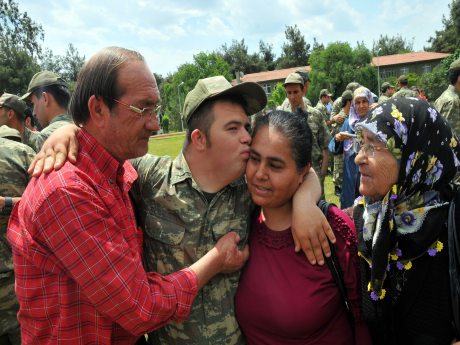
98	110
199	140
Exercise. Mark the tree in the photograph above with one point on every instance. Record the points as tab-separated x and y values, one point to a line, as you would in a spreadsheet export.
68	66
174	87
267	55
240	61
19	47
276	97
391	45
165	123
337	65
295	52
447	40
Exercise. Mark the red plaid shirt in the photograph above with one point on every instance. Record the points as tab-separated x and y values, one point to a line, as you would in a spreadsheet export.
77	258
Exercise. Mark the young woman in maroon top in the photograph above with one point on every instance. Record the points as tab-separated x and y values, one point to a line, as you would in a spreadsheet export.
283	299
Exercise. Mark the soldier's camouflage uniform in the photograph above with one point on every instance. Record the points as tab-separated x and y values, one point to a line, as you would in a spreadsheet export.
336	106
286	105
404	92
320	139
36	139
15	158
383	98
337	176
448	105
181	224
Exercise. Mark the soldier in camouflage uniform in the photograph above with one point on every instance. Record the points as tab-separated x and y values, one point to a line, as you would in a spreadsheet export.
14	161
12	112
320	132
306	84
404	90
324	99
387	91
337	105
448	104
50	97
337	177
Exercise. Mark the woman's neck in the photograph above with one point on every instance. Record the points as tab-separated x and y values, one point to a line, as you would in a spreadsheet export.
278	218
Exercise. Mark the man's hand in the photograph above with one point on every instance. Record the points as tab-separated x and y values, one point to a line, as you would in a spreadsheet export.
338	119
62	145
341	136
232	257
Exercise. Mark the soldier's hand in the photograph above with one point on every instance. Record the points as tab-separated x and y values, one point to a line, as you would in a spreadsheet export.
232	257
313	238
338	119
61	146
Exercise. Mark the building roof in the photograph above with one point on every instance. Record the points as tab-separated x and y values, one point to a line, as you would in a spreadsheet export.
279	74
398	59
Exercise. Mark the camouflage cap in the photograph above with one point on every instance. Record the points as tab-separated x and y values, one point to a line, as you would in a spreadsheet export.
208	88
13	102
387	84
347	95
42	79
9	133
293	78
455	65
352	86
324	92
403	79
304	74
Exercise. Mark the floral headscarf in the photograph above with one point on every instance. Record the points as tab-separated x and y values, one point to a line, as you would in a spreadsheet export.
407	222
358	93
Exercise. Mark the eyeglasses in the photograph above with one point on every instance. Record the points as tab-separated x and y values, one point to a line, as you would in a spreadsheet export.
367	149
149	111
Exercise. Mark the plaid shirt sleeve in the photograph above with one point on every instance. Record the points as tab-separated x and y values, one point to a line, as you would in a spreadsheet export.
89	243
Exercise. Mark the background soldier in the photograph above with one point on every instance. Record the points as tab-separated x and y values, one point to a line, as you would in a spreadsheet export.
448	104
15	158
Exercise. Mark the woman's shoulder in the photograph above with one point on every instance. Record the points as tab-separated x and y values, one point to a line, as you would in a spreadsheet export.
342	225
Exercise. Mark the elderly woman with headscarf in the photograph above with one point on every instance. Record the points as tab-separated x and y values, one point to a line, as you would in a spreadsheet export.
342	142
407	157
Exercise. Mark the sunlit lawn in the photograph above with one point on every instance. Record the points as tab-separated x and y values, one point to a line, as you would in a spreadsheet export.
171	146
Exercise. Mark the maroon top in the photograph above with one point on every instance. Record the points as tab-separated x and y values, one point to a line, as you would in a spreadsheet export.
282	299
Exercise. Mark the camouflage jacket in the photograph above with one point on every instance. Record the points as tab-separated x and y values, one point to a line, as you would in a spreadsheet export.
287	106
323	110
15	158
335	127
404	92
180	226
383	98
448	104
336	106
320	133
36	139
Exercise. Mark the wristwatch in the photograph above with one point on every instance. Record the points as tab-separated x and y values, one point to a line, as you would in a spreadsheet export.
8	205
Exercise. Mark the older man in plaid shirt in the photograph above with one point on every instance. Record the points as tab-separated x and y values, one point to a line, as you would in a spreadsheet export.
76	246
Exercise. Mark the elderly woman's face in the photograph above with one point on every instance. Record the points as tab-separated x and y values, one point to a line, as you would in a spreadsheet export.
378	168
361	106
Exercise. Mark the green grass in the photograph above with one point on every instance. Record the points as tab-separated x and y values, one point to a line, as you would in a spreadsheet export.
171	146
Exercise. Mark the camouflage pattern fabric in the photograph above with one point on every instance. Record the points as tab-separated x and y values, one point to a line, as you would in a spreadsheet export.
383	98
323	110
404	92
180	225
338	159
448	105
336	106
321	138
14	161
286	106
36	139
